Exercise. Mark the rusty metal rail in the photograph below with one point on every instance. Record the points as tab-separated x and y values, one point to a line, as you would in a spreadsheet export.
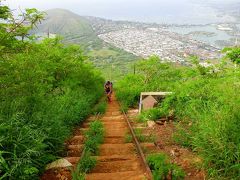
139	149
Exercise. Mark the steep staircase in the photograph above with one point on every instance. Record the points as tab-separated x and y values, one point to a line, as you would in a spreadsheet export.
117	160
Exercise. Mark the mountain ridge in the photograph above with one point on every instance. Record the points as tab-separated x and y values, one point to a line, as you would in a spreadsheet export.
77	29
64	22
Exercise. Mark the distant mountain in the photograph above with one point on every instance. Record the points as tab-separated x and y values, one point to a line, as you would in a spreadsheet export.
74	28
81	30
61	21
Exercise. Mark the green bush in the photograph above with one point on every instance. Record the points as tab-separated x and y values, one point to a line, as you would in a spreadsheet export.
205	103
87	163
144	138
151	75
94	137
152	114
162	168
208	109
100	108
128	90
45	91
128	138
177	172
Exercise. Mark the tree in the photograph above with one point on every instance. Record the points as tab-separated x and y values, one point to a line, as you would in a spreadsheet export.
233	54
12	27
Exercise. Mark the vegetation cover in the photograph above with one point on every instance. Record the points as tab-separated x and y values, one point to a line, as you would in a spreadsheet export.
162	168
114	62
205	103
46	89
91	149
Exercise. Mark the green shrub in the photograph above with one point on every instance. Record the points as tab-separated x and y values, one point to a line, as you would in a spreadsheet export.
94	137
205	103
128	90
45	91
210	122
87	163
177	172
144	138
152	114
124	108
128	138
151	75
100	108
161	167
78	176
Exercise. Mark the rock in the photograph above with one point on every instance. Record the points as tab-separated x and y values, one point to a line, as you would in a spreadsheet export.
165	123
160	122
189	174
175	152
150	124
60	163
172	153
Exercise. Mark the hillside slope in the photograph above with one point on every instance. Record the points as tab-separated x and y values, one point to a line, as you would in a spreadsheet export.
61	21
76	29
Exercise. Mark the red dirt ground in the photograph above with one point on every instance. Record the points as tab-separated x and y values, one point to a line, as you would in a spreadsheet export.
164	143
117	160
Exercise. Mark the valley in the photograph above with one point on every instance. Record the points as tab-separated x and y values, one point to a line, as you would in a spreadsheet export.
170	110
114	46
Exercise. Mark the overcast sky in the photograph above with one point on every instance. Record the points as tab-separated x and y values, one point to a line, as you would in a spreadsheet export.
148	10
87	6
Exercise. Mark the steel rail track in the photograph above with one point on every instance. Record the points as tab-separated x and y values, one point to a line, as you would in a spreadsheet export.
137	144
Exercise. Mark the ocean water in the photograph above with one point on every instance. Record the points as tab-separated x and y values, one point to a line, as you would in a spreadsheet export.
218	34
158	11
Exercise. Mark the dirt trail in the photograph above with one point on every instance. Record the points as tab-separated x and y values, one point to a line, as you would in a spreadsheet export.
164	143
117	159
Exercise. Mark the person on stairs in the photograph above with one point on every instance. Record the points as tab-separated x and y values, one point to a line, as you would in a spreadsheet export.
108	90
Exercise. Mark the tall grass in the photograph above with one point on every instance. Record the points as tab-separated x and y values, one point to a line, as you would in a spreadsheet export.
45	91
205	103
94	137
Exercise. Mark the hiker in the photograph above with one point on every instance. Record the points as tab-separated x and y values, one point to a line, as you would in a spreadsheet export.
108	90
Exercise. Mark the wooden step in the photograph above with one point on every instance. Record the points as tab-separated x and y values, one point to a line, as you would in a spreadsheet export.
117	149
108	124
126	175
117	158
116	166
114	140
113	113
112	118
117	132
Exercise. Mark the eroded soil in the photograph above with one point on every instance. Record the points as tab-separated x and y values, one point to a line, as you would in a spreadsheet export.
117	160
164	143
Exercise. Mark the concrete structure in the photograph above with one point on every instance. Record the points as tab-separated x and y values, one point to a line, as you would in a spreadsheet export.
149	102
149	99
